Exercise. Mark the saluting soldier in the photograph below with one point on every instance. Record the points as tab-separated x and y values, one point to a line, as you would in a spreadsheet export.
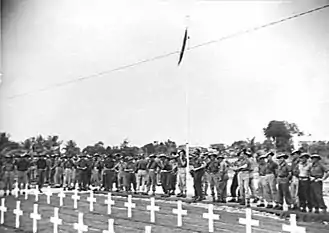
319	173
303	172
284	176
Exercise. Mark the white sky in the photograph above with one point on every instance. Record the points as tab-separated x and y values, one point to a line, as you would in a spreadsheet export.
235	86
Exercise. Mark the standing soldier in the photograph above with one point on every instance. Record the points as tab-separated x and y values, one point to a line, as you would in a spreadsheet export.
294	185
262	180
198	170
129	177
235	180
303	173
244	176
152	166
212	169
205	177
165	174
109	173
119	167
8	174
181	173
58	171
82	172
22	166
141	167
173	174
222	179
319	173
68	166
284	175
270	178
41	169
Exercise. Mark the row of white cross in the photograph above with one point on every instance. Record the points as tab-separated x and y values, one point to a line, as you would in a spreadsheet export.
80	227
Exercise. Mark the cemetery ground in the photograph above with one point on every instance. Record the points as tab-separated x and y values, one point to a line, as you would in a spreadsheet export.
165	220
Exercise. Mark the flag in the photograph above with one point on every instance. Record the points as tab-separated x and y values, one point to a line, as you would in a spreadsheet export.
183	47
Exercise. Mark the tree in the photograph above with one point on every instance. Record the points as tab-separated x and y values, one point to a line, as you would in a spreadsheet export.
71	148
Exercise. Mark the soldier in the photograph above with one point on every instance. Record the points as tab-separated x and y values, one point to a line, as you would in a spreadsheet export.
152	166
68	166
58	171
181	173
165	174
205	177
8	174
129	177
284	176
212	169
270	178
82	172
119	167
141	167
294	185
173	174
244	177
222	179
262	180
41	169
235	180
198	170
22	165
318	173
109	173
303	173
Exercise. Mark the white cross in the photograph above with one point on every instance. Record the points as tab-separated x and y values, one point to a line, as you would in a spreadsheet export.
91	200
18	212
61	196
111	227
75	198
248	221
48	194
179	211
293	228
109	203
56	220
211	216
152	208
130	205
148	229
36	193
35	216
16	190
3	209
80	227
26	190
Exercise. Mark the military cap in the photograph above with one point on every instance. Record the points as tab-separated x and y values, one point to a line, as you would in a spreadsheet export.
271	153
304	155
163	156
285	156
263	156
296	152
152	156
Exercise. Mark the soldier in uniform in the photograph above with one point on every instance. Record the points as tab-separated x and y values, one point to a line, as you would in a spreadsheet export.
205	177
284	176
270	178
68	166
222	179
173	174
41	169
130	178
82	171
198	170
212	169
109	173
58	171
8	174
235	181
181	173
152	166
262	181
141	168
244	177
119	167
318	173
302	170
22	165
295	180
165	174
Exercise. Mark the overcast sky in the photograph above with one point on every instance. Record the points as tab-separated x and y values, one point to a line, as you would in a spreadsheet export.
235	87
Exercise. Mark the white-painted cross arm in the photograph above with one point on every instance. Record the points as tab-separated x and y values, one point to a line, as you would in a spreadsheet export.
109	202
91	200
35	217
293	228
18	212
3	209
180	212
152	208
211	217
80	227
248	221
130	205
110	226
56	220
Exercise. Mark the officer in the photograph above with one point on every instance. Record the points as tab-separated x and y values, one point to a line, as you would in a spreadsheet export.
303	172
262	181
222	179
212	169
152	166
8	174
295	180
198	170
22	165
181	173
318	173
284	176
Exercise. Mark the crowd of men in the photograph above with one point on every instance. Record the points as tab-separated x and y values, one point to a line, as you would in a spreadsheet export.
297	179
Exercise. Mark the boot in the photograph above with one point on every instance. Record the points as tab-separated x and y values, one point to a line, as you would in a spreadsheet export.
233	200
